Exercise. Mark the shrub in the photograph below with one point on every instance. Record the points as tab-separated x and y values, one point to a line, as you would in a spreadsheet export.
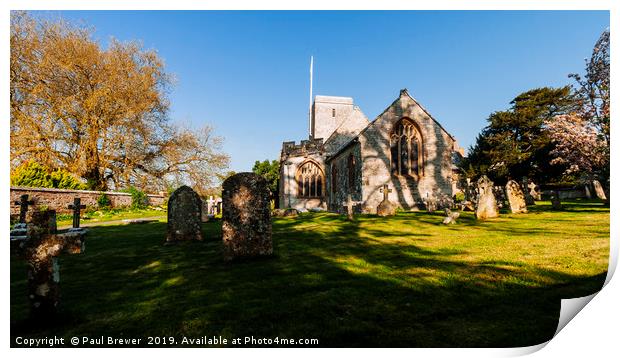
459	197
35	175
104	202
139	200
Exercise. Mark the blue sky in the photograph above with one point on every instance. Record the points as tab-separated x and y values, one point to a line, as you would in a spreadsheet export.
246	72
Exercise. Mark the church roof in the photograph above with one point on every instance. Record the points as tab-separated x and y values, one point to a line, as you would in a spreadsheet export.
403	92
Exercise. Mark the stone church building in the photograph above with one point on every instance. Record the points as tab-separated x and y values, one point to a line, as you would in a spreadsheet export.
404	148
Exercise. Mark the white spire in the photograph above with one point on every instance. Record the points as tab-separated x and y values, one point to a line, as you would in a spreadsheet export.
310	105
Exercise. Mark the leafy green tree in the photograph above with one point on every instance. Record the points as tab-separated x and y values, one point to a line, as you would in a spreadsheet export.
514	144
35	175
271	172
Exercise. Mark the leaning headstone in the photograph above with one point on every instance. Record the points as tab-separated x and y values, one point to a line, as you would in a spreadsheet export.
516	198
246	217
41	249
534	191
555	200
386	208
450	217
598	189
184	216
486	207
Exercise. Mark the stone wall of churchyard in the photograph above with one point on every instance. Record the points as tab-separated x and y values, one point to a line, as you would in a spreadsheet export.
59	199
436	164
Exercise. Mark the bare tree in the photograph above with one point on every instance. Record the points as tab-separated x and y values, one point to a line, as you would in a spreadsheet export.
101	114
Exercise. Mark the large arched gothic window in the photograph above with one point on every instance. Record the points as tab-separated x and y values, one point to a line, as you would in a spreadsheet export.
310	180
406	149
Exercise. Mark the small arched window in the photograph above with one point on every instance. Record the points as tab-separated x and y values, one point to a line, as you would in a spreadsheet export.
310	180
406	149
351	171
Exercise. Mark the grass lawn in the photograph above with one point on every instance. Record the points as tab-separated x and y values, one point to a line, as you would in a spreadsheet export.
400	281
109	215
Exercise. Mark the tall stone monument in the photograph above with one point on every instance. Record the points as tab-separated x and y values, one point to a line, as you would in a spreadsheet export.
246	217
486	207
184	216
516	197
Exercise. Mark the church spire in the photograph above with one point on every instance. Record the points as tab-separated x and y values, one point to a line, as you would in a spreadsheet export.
310	105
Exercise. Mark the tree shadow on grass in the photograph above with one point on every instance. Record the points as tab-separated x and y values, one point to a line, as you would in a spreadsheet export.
341	282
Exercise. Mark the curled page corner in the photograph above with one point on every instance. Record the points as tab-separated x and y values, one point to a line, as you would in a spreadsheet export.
570	308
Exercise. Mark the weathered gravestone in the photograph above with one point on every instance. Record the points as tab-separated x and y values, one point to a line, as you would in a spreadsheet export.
184	216
516	198
450	217
348	207
40	245
386	208
486	207
598	189
246	217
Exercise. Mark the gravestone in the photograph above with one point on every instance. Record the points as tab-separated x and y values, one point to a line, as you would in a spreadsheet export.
529	199
184	216
246	217
40	246
486	207
598	189
555	200
77	207
450	217
386	208
534	191
516	198
348	206
204	213
587	191
23	207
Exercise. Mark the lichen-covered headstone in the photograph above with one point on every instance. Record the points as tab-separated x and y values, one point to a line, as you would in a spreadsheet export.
486	207
184	216
516	197
246	217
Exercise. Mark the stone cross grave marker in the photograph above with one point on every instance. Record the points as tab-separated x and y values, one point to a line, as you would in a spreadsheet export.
386	208
23	207
486	207
386	191
40	245
76	211
349	207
